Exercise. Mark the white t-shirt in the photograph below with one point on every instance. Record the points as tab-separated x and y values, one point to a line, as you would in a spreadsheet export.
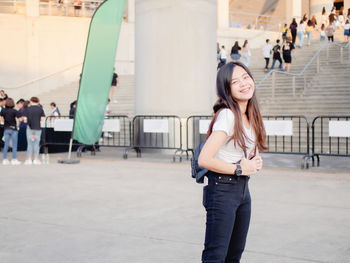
223	54
228	152
301	27
346	26
267	50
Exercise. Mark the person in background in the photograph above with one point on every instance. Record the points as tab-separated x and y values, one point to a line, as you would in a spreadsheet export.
293	30
246	53
54	110
2	104
114	85
9	116
222	57
346	26
22	105
108	110
309	27
314	21
334	10
235	52
330	32
287	52
324	17
33	115
284	32
304	18
267	53
3	95
301	31
322	31
348	15
341	18
77	6
277	55
73	107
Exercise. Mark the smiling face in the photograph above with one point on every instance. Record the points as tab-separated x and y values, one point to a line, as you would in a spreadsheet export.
242	85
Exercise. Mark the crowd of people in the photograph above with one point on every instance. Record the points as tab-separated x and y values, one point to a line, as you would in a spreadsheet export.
20	127
283	51
20	124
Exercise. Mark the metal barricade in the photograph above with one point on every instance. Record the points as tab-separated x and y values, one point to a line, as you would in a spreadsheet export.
285	135
196	131
288	135
330	137
156	132
58	131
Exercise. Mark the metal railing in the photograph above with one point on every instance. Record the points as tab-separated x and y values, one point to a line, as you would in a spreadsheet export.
156	132
330	137
301	74
196	131
57	132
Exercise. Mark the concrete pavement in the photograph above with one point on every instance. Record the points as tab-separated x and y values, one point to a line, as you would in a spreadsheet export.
107	209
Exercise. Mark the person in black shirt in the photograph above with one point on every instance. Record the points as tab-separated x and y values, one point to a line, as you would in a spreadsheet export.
235	52
115	82
9	116
287	51
73	107
277	54
34	114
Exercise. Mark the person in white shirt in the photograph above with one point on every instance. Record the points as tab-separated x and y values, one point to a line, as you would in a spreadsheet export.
301	31
223	57
54	110
231	155
246	53
267	53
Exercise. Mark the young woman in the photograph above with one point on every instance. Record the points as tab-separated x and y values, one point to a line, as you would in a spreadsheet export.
287	53
324	17
301	31
10	116
322	31
293	29
236	128
309	27
235	52
246	53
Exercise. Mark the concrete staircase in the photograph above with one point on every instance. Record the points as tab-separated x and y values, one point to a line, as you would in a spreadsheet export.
122	104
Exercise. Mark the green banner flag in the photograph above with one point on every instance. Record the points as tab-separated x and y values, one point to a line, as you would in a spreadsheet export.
97	71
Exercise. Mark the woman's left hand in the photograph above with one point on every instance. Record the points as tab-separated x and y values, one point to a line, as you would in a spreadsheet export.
258	160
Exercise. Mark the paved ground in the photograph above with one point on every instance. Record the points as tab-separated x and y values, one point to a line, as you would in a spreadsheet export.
148	210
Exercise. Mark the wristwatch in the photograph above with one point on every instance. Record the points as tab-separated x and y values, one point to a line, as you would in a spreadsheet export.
238	171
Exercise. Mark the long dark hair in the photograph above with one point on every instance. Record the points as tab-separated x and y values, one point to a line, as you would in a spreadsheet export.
227	101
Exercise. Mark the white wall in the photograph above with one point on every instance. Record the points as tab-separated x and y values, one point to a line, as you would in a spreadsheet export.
35	47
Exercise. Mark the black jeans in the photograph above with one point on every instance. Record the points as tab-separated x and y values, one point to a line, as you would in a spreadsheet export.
228	205
274	61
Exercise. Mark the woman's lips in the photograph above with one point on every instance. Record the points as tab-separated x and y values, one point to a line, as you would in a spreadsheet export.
246	90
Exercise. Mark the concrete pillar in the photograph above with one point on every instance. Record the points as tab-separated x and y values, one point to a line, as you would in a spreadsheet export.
131	11
32	8
317	5
175	56
294	9
223	13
